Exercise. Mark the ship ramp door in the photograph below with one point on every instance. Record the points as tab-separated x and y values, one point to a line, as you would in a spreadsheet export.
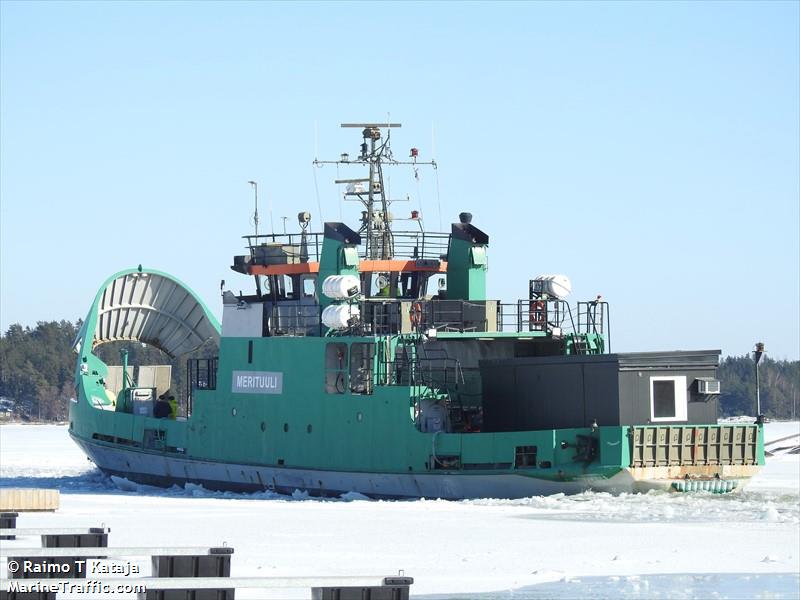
694	445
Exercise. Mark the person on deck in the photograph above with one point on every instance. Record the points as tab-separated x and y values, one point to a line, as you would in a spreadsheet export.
167	406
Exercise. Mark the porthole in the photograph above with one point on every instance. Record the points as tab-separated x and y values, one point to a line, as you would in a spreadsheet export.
359	416
233	412
308	428
285	427
263	426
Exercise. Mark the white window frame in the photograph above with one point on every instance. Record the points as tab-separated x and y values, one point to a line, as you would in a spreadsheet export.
681	398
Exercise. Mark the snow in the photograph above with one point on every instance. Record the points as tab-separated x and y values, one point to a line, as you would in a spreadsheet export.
591	545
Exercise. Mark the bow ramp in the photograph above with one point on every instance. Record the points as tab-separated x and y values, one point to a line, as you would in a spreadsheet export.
150	307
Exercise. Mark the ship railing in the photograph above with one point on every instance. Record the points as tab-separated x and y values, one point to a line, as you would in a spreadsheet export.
434	373
402	315
201	374
546	315
513	316
454	315
282	248
420	245
405	315
549	315
593	317
285	248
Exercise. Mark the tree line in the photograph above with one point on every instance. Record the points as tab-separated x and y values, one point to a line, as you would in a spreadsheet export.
779	382
37	368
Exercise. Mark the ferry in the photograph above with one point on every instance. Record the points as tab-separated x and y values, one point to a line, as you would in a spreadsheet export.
374	360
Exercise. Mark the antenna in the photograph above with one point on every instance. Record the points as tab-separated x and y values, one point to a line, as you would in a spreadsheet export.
435	168
255	212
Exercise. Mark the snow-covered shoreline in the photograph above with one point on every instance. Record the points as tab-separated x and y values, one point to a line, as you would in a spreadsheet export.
589	545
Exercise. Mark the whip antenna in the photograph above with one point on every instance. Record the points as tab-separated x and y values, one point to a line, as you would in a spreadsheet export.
436	169
255	210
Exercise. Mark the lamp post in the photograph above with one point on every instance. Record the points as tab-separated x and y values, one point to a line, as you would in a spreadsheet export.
757	354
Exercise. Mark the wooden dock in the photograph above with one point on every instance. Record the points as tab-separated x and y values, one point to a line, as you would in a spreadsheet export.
28	499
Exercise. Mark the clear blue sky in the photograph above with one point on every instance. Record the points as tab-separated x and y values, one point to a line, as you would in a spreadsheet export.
649	151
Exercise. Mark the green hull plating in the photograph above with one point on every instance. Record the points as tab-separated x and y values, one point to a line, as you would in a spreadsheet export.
304	429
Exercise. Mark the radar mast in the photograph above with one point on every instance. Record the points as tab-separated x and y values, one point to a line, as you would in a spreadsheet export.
376	219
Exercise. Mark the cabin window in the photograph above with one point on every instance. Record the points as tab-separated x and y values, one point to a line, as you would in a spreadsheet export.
437	286
350	256
361	367
309	287
668	398
288	287
335	368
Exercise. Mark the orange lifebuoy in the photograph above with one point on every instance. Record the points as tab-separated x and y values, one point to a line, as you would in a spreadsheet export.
416	314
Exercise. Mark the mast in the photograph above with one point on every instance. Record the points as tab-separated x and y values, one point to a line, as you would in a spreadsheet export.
376	219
